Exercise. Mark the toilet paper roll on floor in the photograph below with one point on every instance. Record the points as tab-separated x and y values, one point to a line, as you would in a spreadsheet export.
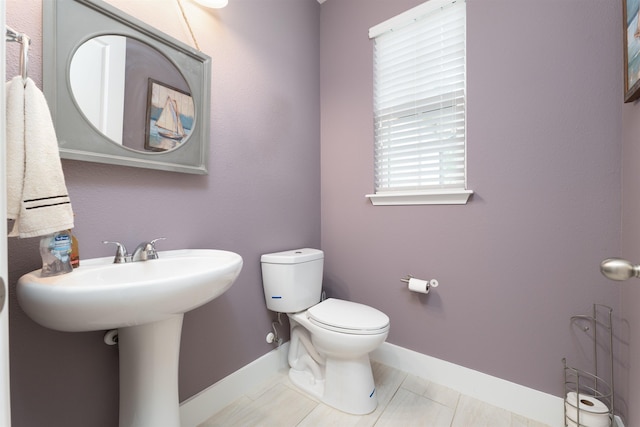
422	286
593	412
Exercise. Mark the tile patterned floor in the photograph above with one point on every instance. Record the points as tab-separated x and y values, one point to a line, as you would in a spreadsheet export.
403	400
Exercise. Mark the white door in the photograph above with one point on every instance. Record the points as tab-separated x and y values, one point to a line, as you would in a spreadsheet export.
97	74
5	408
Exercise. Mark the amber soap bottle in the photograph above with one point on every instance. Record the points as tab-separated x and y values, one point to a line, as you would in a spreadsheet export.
75	251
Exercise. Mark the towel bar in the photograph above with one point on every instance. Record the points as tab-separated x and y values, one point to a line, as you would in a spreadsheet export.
24	40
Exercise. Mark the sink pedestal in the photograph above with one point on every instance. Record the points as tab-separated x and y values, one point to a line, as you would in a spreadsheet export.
149	356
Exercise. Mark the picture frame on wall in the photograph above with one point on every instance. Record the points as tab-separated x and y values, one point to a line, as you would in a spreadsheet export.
631	14
170	117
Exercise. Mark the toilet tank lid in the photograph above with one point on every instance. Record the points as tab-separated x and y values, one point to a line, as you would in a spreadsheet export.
294	256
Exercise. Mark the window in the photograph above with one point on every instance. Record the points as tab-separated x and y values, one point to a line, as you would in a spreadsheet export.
419	106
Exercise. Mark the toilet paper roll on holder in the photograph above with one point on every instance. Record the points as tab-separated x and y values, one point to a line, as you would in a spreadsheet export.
433	283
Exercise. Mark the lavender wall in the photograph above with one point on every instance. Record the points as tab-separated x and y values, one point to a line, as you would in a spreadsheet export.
262	195
544	141
514	264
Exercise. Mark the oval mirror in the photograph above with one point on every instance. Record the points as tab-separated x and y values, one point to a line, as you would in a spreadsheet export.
122	92
131	93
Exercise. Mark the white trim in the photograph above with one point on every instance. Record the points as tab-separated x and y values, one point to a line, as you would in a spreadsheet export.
434	197
5	386
200	407
525	401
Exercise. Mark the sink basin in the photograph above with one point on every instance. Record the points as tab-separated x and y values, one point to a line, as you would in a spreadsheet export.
101	295
145	301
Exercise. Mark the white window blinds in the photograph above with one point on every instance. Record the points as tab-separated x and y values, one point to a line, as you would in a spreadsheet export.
419	101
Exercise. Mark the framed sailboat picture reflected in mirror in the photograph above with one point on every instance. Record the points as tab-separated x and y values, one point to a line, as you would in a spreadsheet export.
631	13
170	117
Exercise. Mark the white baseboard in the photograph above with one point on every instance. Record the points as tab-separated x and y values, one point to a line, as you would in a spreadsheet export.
525	401
200	407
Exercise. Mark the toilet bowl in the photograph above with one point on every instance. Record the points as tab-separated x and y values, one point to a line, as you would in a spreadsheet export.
344	379
331	339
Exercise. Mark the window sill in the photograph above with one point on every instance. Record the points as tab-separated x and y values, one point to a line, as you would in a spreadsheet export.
433	197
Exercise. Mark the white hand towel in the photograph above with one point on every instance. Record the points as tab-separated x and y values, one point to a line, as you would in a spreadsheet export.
15	145
45	204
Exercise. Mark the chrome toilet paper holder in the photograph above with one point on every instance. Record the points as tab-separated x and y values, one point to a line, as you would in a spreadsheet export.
407	278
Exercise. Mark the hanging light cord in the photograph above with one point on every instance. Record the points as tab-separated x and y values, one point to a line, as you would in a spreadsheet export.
184	16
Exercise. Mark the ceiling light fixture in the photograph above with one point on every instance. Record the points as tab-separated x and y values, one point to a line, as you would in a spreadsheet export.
216	4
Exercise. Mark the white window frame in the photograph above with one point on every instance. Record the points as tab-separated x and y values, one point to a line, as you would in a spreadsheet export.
429	194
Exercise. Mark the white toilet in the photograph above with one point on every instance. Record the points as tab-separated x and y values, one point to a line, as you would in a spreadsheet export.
330	340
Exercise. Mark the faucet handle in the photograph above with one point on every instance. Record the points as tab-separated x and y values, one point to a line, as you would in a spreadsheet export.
153	242
121	252
153	252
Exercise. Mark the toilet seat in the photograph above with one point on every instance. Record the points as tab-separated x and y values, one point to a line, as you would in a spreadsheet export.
348	317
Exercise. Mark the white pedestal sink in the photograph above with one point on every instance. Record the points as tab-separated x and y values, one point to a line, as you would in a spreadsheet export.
146	302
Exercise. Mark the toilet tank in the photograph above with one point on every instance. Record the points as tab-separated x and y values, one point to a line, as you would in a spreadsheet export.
292	280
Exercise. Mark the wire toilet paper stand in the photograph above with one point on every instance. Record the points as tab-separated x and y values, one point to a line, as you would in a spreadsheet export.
588	385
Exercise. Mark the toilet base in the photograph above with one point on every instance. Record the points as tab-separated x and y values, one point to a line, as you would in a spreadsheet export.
305	381
348	385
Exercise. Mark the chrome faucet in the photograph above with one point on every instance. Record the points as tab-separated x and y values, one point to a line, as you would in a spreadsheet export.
145	251
122	255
